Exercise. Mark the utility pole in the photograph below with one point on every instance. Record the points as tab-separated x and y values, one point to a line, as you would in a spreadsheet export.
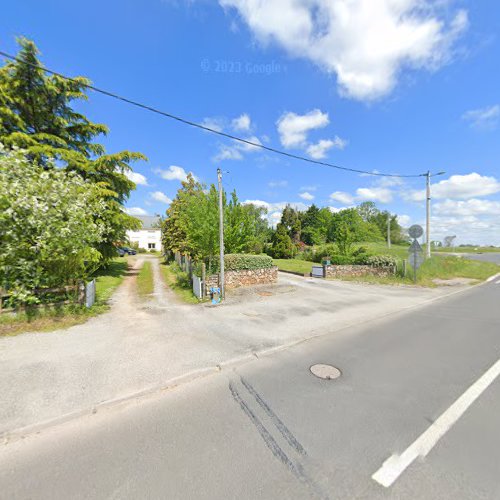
428	215
388	230
221	234
428	212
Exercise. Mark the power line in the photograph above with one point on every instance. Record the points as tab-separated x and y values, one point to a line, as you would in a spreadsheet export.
203	127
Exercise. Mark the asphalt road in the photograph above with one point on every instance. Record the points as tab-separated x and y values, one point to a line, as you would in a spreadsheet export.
420	385
486	257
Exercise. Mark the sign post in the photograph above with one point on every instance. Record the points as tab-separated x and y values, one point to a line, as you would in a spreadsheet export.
416	258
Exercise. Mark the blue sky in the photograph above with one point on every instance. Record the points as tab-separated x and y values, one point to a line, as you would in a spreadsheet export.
399	86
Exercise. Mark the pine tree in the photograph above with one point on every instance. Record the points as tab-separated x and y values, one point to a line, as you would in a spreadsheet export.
282	247
36	115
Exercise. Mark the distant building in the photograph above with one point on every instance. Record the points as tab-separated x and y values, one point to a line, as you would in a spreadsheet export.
149	236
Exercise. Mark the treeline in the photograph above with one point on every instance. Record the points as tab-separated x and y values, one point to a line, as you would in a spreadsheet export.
191	226
66	220
318	226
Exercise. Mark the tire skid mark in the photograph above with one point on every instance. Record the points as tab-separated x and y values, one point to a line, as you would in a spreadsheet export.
296	469
282	428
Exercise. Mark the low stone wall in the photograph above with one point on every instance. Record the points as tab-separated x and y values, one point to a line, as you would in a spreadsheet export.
244	277
347	271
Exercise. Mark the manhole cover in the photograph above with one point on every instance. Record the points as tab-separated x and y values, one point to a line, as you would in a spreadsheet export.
327	372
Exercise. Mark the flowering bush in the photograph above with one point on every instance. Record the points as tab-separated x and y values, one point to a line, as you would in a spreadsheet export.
48	228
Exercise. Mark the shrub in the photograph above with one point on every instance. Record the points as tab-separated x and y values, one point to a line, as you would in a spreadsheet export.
240	261
381	261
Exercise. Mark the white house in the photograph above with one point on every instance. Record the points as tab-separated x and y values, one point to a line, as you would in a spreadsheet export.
149	236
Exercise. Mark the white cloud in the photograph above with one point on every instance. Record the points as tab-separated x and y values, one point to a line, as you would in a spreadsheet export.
466	186
319	150
334	210
173	173
214	122
293	128
470	207
365	43
228	153
161	197
236	149
380	194
343	197
136	177
278	184
274	210
135	211
242	123
404	220
483	117
307	196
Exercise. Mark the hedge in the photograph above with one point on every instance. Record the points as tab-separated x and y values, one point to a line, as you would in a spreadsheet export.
241	261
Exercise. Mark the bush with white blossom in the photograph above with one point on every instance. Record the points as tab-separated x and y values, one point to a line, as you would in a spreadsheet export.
49	227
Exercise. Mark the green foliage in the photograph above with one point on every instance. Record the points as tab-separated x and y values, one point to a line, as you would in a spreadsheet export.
192	223
314	224
381	261
36	114
290	220
282	246
50	225
380	219
239	262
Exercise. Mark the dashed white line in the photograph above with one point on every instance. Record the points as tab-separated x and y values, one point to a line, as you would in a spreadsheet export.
395	465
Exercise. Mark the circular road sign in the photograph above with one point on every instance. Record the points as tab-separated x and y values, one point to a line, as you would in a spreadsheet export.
415	231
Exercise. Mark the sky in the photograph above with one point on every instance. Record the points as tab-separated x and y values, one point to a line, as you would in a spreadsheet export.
388	86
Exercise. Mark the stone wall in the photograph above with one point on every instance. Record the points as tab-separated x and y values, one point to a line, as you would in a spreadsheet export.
346	271
244	277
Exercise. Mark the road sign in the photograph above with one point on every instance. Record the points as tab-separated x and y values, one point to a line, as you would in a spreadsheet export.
415	231
416	259
415	247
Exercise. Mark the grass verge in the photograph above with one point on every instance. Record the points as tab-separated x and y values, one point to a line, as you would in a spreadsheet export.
294	265
178	281
145	284
438	267
64	316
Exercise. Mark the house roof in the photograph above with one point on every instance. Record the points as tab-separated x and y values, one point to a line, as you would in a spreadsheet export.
149	221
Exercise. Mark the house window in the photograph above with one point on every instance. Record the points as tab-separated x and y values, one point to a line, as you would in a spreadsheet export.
151	246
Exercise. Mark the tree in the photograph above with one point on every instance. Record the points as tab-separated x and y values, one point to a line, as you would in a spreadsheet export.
290	219
37	115
314	225
282	247
192	223
50	225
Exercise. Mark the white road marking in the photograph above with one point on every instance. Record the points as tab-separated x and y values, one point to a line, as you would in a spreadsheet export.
497	282
394	466
491	278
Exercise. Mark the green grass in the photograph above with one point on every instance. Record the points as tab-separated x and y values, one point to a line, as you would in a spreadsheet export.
477	249
178	281
294	265
145	284
439	267
56	317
